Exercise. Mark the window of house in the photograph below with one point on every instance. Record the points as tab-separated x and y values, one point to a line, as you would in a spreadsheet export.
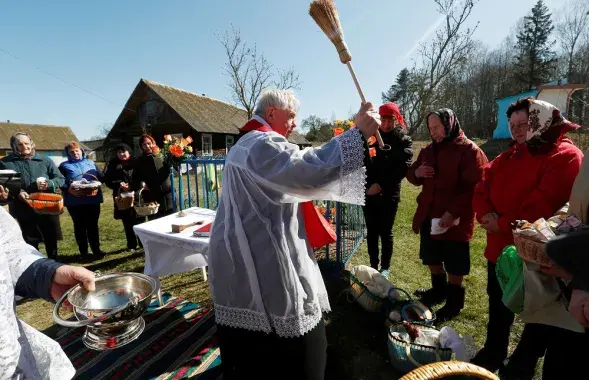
229	141
207	144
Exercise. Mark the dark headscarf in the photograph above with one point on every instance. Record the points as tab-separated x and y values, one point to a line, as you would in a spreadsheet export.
123	147
450	122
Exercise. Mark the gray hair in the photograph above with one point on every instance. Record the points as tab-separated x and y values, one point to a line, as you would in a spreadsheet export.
281	99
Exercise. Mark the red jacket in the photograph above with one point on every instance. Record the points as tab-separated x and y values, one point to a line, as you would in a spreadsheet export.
458	167
519	185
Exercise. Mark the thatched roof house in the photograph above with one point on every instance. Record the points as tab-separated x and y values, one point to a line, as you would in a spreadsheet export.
160	109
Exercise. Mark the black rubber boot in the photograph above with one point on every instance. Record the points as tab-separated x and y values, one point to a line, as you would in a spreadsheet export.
454	304
437	293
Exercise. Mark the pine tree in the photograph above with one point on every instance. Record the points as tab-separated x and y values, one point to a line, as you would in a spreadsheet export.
399	90
536	58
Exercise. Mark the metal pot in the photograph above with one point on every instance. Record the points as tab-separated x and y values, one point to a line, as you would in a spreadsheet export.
112	312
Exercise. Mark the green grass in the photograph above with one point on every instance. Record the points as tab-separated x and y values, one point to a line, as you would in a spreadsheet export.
357	339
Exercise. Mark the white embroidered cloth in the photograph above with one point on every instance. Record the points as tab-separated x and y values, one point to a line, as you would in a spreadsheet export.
263	274
25	353
170	253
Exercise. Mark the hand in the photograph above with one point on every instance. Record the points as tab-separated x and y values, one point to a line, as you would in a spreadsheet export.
579	307
490	223
424	172
43	186
374	189
124	186
556	271
3	193
489	217
447	220
23	196
67	276
367	120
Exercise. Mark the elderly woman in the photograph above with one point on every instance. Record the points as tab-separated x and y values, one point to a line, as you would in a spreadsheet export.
25	352
153	175
37	174
448	170
84	209
531	180
385	171
266	285
119	177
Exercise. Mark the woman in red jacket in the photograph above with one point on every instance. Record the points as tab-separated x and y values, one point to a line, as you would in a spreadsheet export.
531	180
448	169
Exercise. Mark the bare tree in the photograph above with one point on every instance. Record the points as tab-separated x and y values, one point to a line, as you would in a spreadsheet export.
101	131
445	53
250	72
572	28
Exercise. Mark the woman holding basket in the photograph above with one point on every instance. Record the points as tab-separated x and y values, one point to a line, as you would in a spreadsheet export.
83	198
119	178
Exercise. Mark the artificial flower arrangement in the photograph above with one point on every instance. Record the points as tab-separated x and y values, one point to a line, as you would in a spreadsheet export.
175	150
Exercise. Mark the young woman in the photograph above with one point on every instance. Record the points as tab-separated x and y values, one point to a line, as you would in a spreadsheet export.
448	170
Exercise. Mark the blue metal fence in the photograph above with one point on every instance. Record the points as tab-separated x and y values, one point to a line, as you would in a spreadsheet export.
200	184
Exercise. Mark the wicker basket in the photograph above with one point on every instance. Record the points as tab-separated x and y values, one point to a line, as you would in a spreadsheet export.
406	356
46	203
123	203
365	298
449	368
145	210
531	250
88	191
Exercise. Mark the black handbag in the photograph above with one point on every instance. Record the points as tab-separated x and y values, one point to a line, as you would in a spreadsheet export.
10	181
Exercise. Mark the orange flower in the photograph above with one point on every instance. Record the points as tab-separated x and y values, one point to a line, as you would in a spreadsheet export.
189	140
155	150
372	152
176	150
338	131
184	142
371	140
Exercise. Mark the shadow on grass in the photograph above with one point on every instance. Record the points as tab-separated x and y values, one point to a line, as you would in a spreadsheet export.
357	347
114	263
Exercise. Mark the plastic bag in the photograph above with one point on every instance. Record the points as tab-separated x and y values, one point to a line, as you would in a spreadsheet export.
374	281
510	273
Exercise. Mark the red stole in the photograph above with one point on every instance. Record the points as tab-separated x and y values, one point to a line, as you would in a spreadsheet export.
319	231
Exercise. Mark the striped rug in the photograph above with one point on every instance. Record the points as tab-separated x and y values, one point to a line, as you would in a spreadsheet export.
178	342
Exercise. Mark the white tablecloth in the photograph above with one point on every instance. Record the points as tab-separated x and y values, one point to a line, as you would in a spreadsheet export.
170	253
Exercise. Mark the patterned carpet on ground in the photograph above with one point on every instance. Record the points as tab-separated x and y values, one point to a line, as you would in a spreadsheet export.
178	342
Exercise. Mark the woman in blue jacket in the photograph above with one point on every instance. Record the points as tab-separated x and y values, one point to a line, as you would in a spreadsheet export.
84	209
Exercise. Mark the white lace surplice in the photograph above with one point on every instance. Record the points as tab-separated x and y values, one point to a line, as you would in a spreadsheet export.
25	353
263	274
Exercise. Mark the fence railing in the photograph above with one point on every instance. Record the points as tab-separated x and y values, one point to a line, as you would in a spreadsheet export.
200	185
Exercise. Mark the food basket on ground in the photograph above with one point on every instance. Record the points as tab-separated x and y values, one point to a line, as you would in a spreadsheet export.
88	188
401	307
369	288
451	368
530	237
46	203
145	209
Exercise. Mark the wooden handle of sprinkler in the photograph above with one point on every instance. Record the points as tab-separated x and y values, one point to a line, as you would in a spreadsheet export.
361	93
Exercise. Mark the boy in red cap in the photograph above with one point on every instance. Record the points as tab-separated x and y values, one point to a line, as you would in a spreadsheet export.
383	185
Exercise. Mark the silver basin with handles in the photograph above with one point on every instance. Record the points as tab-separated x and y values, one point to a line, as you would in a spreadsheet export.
112	312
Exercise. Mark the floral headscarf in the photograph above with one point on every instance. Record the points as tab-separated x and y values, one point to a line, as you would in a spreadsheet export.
545	125
14	145
450	122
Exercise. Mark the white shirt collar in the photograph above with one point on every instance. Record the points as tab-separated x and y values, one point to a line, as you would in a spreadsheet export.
260	120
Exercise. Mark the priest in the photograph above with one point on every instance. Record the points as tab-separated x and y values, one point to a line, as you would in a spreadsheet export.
266	285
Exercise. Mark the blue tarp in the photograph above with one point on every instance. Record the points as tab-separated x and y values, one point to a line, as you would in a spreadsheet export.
502	129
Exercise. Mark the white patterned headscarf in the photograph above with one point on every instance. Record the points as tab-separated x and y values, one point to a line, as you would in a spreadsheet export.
541	117
14	144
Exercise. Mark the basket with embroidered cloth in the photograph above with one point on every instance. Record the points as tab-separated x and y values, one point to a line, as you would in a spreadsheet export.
530	238
88	188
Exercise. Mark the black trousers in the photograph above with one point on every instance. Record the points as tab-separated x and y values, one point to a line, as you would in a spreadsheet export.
42	228
379	214
129	220
249	354
85	218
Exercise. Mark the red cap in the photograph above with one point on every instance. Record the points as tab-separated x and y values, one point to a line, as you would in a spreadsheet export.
391	109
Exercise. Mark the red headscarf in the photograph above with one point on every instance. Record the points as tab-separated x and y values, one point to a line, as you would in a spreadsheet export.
391	109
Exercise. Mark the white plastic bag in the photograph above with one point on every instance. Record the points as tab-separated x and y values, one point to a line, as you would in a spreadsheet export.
374	281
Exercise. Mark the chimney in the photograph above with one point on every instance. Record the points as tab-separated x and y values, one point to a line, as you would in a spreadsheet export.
204	94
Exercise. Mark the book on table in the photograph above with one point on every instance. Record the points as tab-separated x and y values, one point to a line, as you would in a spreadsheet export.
204	230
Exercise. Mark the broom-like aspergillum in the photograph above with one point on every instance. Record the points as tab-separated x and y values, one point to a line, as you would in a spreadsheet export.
326	16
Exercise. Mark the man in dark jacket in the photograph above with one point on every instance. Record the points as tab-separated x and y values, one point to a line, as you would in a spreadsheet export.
385	171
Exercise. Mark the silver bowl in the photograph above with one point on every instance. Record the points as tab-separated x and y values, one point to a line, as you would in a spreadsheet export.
112	312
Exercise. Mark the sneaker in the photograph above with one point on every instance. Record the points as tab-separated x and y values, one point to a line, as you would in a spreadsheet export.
385	272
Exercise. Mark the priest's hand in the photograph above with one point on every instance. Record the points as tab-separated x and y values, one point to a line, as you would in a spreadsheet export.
67	276
367	120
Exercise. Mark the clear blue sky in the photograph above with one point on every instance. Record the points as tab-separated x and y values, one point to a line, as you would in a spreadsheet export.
106	46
